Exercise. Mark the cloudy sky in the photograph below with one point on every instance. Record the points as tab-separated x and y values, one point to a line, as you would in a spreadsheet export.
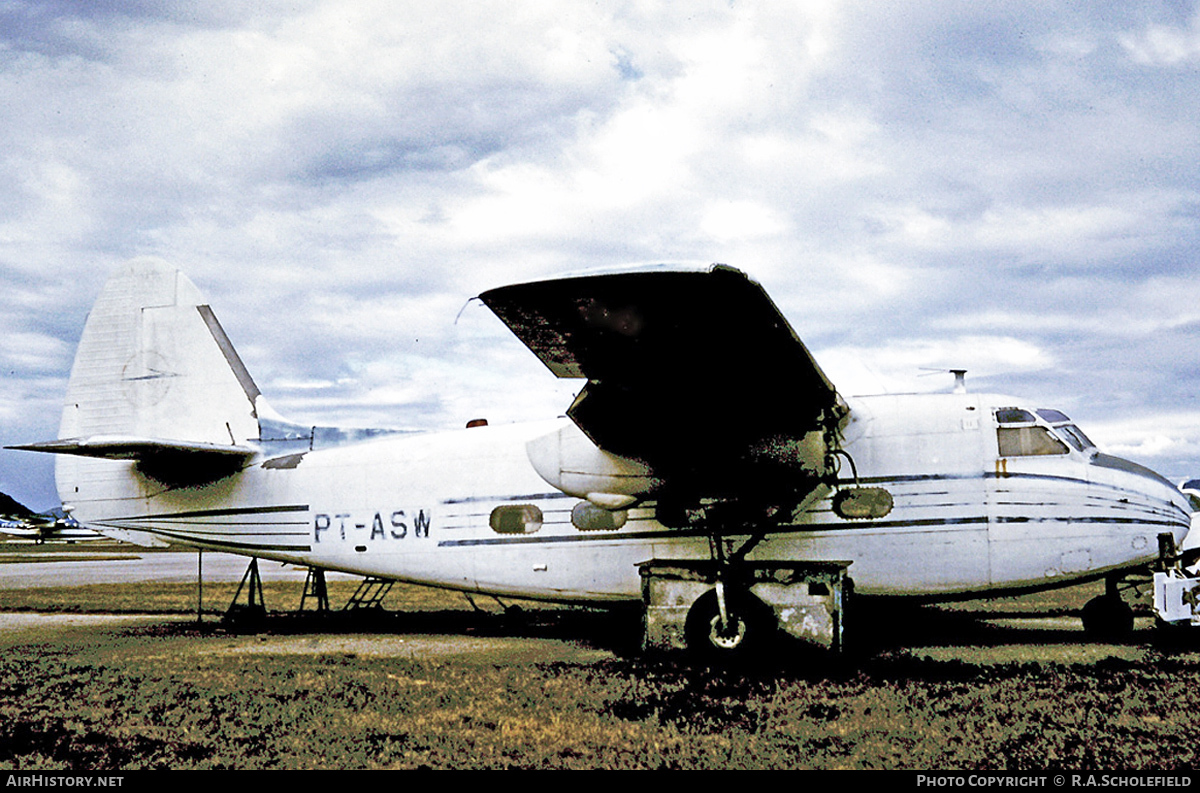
1007	187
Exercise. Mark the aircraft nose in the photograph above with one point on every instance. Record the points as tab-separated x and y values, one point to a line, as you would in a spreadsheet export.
1158	503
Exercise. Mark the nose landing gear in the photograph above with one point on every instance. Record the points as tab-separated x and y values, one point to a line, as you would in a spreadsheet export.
1108	617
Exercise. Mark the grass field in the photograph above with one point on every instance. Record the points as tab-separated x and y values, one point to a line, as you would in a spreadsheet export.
169	693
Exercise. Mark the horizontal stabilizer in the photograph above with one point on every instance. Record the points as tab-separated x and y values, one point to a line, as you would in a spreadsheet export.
169	461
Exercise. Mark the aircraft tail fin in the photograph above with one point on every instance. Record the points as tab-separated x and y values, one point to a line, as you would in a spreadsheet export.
156	381
154	362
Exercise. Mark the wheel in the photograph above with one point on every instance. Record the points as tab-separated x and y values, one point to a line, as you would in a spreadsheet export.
750	627
1107	617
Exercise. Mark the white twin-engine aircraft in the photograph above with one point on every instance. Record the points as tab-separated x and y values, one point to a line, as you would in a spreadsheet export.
705	431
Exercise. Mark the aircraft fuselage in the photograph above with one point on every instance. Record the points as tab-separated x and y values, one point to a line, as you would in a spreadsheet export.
985	499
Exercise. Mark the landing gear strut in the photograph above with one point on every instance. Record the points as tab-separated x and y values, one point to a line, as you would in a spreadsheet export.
728	623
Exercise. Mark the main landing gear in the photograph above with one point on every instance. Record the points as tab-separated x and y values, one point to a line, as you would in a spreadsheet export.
729	623
727	610
724	625
744	617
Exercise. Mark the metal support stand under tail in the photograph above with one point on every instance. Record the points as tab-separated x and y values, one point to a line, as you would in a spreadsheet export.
252	613
199	587
314	588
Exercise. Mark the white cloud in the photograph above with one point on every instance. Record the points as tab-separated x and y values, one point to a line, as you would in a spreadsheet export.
733	220
1157	435
999	188
26	351
1165	45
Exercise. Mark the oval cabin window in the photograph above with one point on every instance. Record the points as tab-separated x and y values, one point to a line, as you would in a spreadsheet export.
586	516
860	503
516	519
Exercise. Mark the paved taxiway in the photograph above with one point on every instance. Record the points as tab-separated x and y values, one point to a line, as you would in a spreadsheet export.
25	565
81	564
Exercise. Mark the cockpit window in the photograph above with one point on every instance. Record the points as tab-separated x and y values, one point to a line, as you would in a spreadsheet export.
1028	442
1013	416
1021	433
1052	416
1074	436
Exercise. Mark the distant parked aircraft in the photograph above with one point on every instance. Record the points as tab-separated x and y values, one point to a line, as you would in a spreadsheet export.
19	521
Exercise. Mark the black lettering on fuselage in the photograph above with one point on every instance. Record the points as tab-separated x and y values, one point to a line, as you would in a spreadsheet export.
398	530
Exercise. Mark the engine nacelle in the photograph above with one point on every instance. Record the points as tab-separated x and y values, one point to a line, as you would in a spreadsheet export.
569	461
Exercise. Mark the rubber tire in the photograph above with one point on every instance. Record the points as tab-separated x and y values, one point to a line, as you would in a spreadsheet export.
1107	618
755	628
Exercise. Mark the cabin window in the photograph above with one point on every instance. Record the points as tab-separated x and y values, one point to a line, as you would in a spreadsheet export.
516	519
862	502
586	516
1028	442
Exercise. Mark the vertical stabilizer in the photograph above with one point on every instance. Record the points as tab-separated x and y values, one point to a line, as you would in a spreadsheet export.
154	363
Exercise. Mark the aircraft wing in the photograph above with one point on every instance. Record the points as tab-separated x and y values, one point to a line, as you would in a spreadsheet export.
694	372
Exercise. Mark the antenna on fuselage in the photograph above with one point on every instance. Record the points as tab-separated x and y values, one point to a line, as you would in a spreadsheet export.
960	377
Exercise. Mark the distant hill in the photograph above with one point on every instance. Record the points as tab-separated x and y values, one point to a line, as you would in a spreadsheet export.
12	507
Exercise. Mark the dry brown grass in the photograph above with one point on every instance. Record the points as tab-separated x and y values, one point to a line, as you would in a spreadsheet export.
178	696
926	689
132	700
